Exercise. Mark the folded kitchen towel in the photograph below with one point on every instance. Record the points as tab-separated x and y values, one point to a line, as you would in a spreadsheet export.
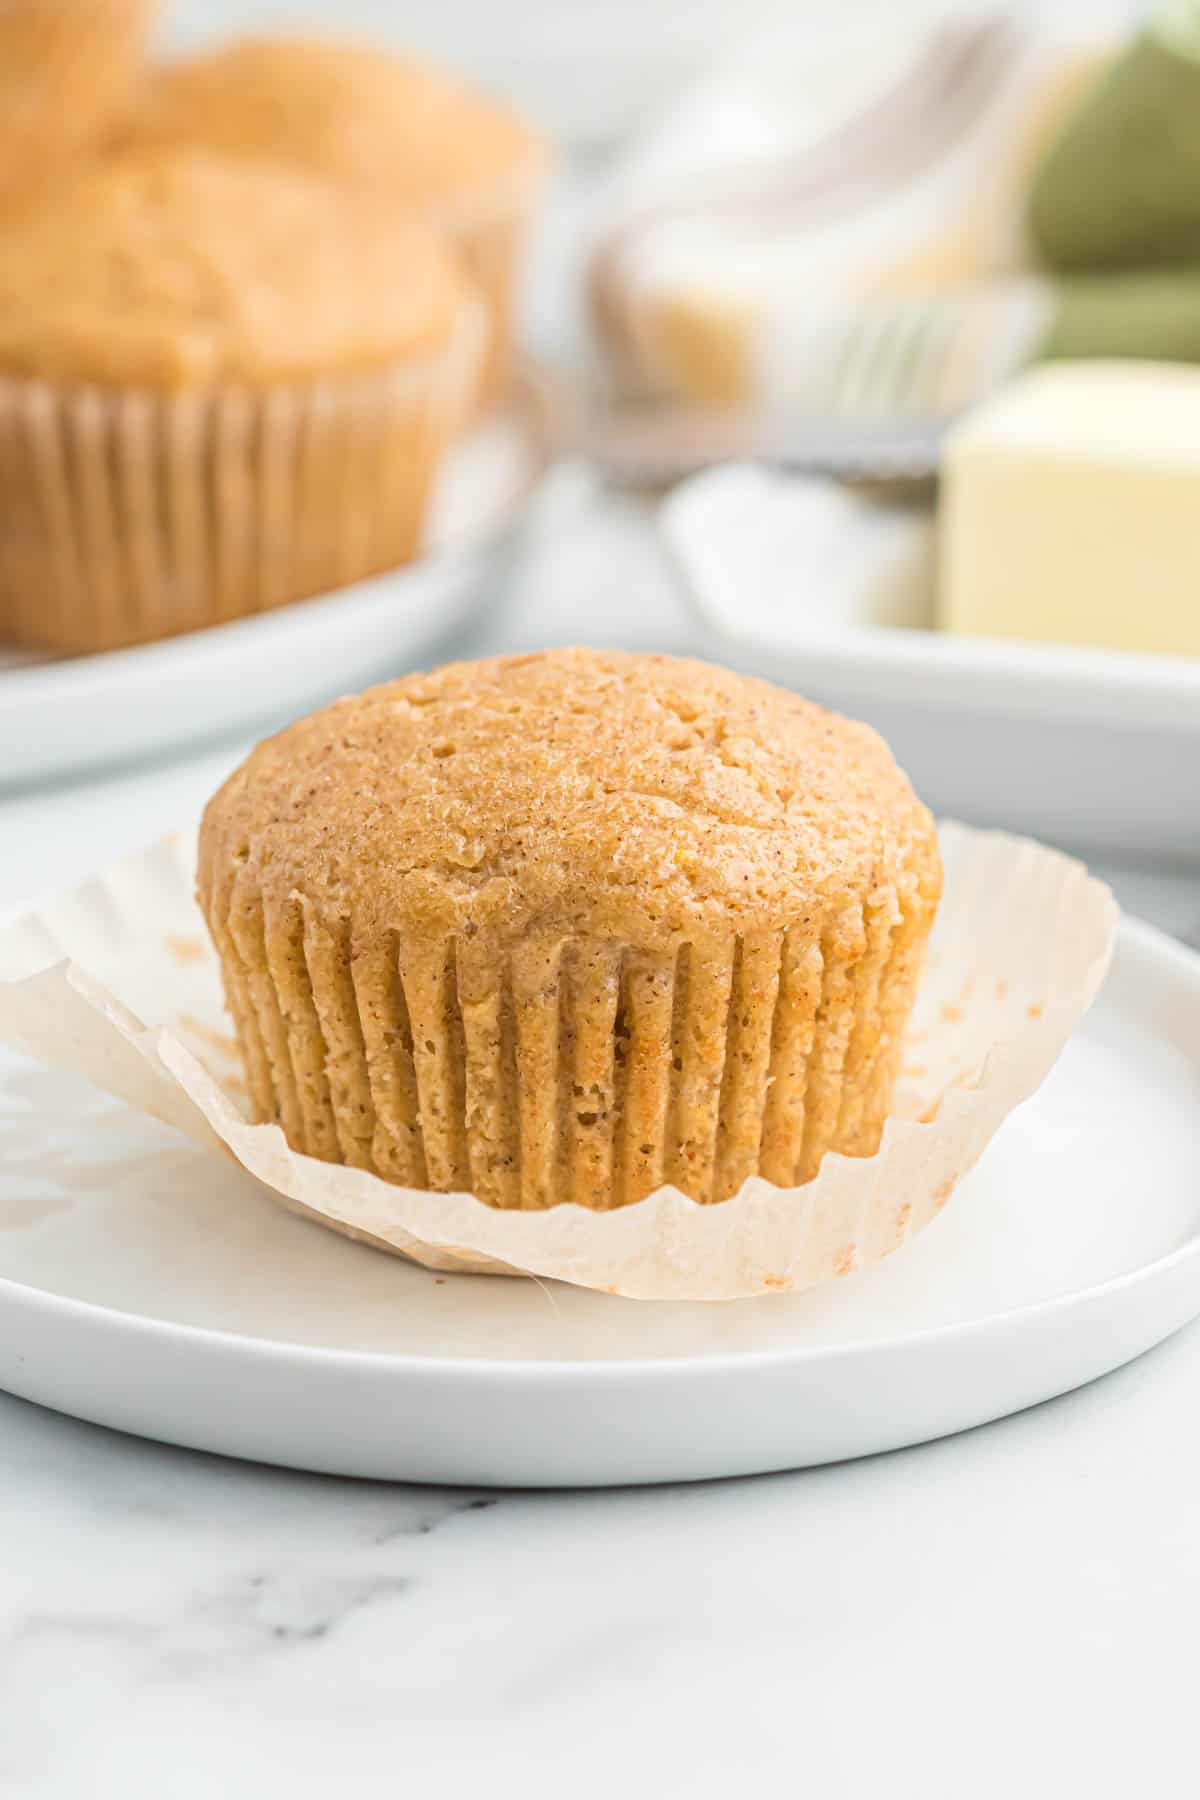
1120	184
840	230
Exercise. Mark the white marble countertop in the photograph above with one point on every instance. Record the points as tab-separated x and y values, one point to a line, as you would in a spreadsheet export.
1000	1613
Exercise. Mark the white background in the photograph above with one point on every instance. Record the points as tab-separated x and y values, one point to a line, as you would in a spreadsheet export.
587	68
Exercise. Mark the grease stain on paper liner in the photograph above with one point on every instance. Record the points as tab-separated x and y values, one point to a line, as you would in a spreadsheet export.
186	949
223	1042
1023	926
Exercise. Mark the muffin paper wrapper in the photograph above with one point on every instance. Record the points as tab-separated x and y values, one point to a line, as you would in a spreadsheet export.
135	515
117	982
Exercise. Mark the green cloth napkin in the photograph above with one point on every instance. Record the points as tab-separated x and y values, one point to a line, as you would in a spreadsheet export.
1152	313
1120	185
822	285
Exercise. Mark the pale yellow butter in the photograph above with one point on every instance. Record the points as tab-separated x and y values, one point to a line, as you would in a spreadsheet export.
1070	509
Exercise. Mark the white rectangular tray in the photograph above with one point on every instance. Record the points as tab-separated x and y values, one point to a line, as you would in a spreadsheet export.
1095	749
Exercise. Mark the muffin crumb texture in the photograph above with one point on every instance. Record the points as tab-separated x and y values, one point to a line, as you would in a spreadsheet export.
410	140
416	135
568	927
168	269
68	72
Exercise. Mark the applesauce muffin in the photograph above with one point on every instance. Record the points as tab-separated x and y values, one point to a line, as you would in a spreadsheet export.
221	389
567	927
67	69
411	137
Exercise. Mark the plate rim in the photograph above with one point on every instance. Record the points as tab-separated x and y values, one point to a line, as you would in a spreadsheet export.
1134	934
1126	687
68	677
42	681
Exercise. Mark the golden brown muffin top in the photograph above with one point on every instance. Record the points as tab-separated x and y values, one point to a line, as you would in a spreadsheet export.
638	797
175	269
360	115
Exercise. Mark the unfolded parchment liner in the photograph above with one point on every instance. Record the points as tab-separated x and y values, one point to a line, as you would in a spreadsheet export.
117	982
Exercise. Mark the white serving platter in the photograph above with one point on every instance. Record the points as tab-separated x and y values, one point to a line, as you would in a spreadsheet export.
69	715
1091	748
145	1286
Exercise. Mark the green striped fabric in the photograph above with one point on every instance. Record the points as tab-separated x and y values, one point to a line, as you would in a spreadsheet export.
1120	186
1176	23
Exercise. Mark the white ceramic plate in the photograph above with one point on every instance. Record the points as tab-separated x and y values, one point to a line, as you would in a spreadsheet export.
68	714
144	1286
1092	748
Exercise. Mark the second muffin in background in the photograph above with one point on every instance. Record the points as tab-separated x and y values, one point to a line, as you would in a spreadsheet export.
222	388
68	68
568	927
414	139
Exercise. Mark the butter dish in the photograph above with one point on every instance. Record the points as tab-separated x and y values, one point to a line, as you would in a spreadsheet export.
1094	748
1068	510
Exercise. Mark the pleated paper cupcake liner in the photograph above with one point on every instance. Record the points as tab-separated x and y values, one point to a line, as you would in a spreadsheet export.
128	517
118	982
570	1068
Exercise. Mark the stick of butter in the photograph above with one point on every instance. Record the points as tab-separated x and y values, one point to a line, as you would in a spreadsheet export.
1070	509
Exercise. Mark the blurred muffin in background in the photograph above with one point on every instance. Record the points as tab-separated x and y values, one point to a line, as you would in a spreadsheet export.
67	69
411	137
222	388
